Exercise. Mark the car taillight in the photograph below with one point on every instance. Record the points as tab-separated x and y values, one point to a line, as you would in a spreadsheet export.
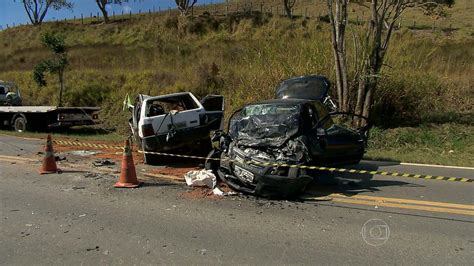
147	130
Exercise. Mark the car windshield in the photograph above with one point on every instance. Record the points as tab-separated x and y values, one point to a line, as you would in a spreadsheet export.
265	124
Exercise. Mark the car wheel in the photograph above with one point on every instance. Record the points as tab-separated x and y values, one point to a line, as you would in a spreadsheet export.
20	124
204	147
151	159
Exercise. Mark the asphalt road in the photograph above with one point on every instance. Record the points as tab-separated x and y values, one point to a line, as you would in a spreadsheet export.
78	218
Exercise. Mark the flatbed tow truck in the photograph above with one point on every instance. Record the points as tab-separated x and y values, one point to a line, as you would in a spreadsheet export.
25	118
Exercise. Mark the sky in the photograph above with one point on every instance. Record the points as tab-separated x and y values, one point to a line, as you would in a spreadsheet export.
13	12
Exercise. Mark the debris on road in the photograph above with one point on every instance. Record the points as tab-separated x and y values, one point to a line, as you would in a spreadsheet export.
84	153
217	191
102	162
201	178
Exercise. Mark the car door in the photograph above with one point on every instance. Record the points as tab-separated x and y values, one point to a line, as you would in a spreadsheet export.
214	107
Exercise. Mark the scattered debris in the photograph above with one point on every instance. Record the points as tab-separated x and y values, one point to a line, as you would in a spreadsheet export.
217	191
84	153
91	249
103	162
82	215
201	178
59	158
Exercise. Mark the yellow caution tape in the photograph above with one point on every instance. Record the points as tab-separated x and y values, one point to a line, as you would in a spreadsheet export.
312	167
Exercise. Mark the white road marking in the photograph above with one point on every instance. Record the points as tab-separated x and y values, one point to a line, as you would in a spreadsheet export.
424	165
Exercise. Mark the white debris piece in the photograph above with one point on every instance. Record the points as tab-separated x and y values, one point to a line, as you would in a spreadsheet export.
201	178
217	191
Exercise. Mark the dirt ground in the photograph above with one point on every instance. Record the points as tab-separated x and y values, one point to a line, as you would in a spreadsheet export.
175	171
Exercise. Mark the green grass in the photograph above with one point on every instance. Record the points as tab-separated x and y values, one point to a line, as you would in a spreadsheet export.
447	144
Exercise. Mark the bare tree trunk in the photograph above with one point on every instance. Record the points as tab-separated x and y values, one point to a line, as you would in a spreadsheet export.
105	14
338	19
288	5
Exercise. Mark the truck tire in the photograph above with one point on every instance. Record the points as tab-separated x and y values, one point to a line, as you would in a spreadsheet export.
20	123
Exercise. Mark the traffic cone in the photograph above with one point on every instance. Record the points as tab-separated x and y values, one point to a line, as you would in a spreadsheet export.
128	175
49	161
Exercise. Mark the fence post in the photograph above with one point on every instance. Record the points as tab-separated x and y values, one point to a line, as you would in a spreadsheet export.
226	10
130	14
82	19
113	14
414	24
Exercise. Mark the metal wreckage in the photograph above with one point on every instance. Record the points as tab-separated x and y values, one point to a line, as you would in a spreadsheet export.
296	128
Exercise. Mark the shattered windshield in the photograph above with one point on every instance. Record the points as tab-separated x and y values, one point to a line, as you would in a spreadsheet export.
265	124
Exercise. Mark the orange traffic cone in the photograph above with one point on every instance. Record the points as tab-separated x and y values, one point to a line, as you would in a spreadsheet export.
128	175
49	162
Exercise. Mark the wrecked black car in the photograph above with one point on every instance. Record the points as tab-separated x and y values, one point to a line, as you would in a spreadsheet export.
296	129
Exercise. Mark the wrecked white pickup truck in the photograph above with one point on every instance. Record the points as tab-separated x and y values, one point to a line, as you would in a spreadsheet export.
175	123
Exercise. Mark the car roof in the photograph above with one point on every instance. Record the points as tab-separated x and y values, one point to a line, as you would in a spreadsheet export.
289	101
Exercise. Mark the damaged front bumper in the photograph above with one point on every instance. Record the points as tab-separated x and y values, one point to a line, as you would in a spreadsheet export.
249	176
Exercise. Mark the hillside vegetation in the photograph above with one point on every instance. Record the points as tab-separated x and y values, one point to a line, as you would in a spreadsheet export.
427	79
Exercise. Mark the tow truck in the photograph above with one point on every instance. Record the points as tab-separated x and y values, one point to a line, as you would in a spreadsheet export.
26	118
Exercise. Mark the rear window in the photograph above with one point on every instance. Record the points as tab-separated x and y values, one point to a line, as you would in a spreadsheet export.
174	103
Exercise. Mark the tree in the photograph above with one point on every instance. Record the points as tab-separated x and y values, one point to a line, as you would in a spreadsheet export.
55	65
337	12
289	4
37	9
184	6
372	48
384	15
102	4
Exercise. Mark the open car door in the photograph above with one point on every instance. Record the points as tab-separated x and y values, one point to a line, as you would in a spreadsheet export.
136	111
214	106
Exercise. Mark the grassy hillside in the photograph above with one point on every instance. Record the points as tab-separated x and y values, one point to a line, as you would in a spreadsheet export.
427	80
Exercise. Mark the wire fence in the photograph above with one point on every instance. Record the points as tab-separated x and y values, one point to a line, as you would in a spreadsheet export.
270	8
